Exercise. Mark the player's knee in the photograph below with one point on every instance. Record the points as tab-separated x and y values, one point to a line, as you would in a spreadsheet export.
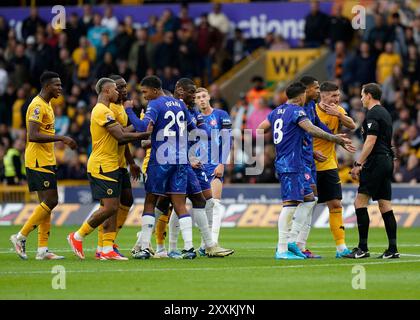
110	209
198	201
51	202
384	207
127	200
334	204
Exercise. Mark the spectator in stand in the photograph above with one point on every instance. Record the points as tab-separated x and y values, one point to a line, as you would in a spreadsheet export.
17	119
380	32
65	68
95	32
237	47
141	55
30	24
44	58
279	43
257	91
316	27
409	173
62	121
339	28
109	21
74	30
166	53
386	62
339	64
184	17
20	67
84	50
86	20
107	46
124	38
14	165
259	113
106	67
363	66
416	30
218	19
187	54
4	31
390	87
411	65
397	34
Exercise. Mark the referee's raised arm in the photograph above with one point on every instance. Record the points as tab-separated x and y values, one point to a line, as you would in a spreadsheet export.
374	169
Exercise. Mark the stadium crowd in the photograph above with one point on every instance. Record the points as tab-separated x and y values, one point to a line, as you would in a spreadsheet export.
173	45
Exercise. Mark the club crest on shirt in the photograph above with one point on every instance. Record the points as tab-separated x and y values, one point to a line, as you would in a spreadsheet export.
213	122
46	184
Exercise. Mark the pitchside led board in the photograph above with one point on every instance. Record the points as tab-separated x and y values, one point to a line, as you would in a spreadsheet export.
244	206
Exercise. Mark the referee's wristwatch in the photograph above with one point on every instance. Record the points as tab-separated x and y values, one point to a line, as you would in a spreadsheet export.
357	164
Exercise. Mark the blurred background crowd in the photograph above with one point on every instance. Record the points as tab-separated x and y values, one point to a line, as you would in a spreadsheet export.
173	45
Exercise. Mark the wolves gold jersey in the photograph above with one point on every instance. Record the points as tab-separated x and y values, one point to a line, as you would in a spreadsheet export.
327	147
104	156
122	119
40	154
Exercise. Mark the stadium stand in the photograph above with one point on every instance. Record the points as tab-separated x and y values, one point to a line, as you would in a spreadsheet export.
173	45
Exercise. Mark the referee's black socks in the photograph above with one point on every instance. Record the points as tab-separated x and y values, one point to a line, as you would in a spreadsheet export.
363	227
391	230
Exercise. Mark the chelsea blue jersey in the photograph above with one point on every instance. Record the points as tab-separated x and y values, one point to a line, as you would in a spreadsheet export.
288	137
220	126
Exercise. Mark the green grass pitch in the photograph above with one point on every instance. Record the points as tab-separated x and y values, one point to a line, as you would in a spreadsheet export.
251	273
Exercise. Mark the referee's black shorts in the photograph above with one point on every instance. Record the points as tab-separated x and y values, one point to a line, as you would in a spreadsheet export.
376	177
328	185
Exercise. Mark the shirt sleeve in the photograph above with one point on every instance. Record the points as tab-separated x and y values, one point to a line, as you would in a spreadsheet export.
299	115
139	125
35	112
319	123
226	137
372	124
105	117
152	112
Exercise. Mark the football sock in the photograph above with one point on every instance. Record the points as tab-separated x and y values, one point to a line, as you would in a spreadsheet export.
303	235
391	230
173	231
363	227
303	211
161	224
44	232
185	225
100	238
209	213
217	219
41	212
108	241
84	230
337	228
147	224
285	217
122	215
200	219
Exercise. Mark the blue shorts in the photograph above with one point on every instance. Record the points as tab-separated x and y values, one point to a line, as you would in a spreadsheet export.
292	186
169	178
193	185
310	174
209	169
203	179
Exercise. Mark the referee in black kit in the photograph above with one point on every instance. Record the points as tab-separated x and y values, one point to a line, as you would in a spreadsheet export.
374	169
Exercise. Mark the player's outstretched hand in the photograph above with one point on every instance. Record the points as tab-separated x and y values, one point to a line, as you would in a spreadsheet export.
342	139
135	171
70	142
219	171
350	148
318	156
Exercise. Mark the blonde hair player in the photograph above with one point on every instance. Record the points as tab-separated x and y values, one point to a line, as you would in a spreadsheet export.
220	124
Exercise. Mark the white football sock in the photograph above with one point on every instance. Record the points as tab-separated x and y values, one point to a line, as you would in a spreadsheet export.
285	217
185	225
303	210
42	250
20	236
200	219
138	241
217	219
78	236
209	214
306	229
173	231
107	249
147	224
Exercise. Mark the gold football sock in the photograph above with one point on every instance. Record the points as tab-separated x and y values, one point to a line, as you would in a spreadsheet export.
337	226
44	232
40	213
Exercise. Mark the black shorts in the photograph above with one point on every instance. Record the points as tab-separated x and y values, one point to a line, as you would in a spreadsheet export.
125	179
376	177
328	185
41	179
105	184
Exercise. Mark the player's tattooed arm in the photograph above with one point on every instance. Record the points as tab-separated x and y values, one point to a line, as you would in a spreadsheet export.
117	131
319	133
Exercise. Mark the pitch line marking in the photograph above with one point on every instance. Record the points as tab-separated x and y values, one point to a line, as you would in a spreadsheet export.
213	269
